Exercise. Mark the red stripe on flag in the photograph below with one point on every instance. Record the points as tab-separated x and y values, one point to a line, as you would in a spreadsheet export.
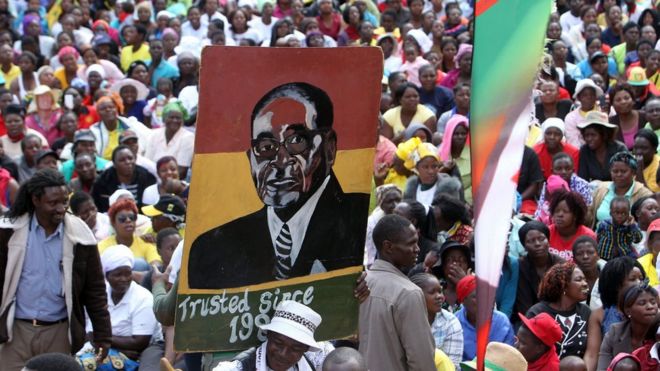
483	5
486	145
482	343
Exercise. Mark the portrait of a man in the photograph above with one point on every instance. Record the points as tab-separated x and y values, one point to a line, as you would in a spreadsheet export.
307	225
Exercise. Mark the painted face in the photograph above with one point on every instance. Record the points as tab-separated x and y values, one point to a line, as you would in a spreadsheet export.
286	154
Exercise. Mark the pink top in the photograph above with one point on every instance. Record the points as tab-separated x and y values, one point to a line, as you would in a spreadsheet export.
629	137
49	130
412	70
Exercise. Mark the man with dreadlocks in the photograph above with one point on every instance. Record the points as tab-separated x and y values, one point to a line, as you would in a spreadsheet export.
50	273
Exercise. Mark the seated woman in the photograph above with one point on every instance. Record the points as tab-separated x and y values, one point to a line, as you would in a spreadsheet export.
639	306
645	149
562	166
455	152
586	93
534	236
123	174
561	292
446	328
455	263
568	214
408	110
628	119
551	105
599	147
168	170
615	277
44	113
644	210
130	305
552	144
649	260
623	167
123	215
82	206
452	218
430	179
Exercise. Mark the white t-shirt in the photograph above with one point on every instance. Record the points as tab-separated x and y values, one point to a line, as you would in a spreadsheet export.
425	197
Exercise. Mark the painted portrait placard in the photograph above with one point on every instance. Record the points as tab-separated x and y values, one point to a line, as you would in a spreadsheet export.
279	193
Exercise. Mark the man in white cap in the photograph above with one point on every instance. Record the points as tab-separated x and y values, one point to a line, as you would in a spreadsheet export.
289	345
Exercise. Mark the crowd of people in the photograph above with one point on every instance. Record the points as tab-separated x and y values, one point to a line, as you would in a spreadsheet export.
98	106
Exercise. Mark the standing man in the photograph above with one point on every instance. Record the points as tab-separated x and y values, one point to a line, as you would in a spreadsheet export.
394	327
159	68
50	273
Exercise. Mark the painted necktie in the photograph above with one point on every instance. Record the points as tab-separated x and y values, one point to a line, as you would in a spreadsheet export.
283	245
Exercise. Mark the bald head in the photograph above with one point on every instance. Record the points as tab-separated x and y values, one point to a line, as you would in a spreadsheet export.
344	359
572	363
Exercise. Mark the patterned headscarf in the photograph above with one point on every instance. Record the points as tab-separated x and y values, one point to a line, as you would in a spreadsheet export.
384	189
626	158
175	106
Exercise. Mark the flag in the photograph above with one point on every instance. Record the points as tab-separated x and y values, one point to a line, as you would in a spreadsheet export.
508	47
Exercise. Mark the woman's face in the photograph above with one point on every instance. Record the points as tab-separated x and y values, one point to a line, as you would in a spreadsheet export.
643	148
168	171
462	98
454	16
239	21
644	310
416	7
69	123
128	94
596	45
387	46
593	138
90	57
559	50
465	64
590	16
85	168
94	80
536	244
433	295
564	168
563	217
459	137
144	15
410	99
120	280
554	31
652	63
646	211
316	41
586	256
173	121
129	35
15	125
194	17
454	257
169	42
124	162
45	101
64	40
390	200
427	168
438	29
614	16
578	287
622	175
552	138
449	52
141	74
187	66
5	39
354	16
26	65
69	62
600	65
592	30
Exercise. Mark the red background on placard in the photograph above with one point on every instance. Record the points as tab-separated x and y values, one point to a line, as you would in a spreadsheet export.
233	79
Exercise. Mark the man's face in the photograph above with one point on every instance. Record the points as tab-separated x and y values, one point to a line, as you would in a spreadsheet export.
286	152
282	352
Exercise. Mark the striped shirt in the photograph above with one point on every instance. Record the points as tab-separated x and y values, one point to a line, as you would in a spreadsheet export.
617	240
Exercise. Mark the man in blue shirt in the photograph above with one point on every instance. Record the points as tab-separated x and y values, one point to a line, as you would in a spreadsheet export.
159	68
500	327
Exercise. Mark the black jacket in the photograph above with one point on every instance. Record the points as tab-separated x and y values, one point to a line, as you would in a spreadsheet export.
241	252
108	182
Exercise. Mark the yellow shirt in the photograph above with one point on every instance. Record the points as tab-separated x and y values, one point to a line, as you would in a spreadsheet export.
442	362
140	248
649	174
13	73
113	142
649	268
464	167
534	135
128	56
393	118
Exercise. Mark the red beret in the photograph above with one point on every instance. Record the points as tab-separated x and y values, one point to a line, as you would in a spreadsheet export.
465	286
544	327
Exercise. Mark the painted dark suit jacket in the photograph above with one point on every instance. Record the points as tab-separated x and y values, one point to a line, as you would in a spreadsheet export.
241	253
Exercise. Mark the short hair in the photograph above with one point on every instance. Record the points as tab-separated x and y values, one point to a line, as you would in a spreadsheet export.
163	234
122	205
29	55
644	42
53	362
389	228
119	148
389	13
532	225
649	135
164	160
77	200
28	138
612	277
447	41
562	156
218	23
304	93
575	203
452	208
460	86
14	109
582	240
555	281
620	199
344	355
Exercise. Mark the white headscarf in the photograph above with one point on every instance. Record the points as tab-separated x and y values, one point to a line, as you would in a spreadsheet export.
95	68
116	256
554	122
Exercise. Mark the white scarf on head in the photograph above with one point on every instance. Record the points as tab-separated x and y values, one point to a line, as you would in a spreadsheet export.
302	365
